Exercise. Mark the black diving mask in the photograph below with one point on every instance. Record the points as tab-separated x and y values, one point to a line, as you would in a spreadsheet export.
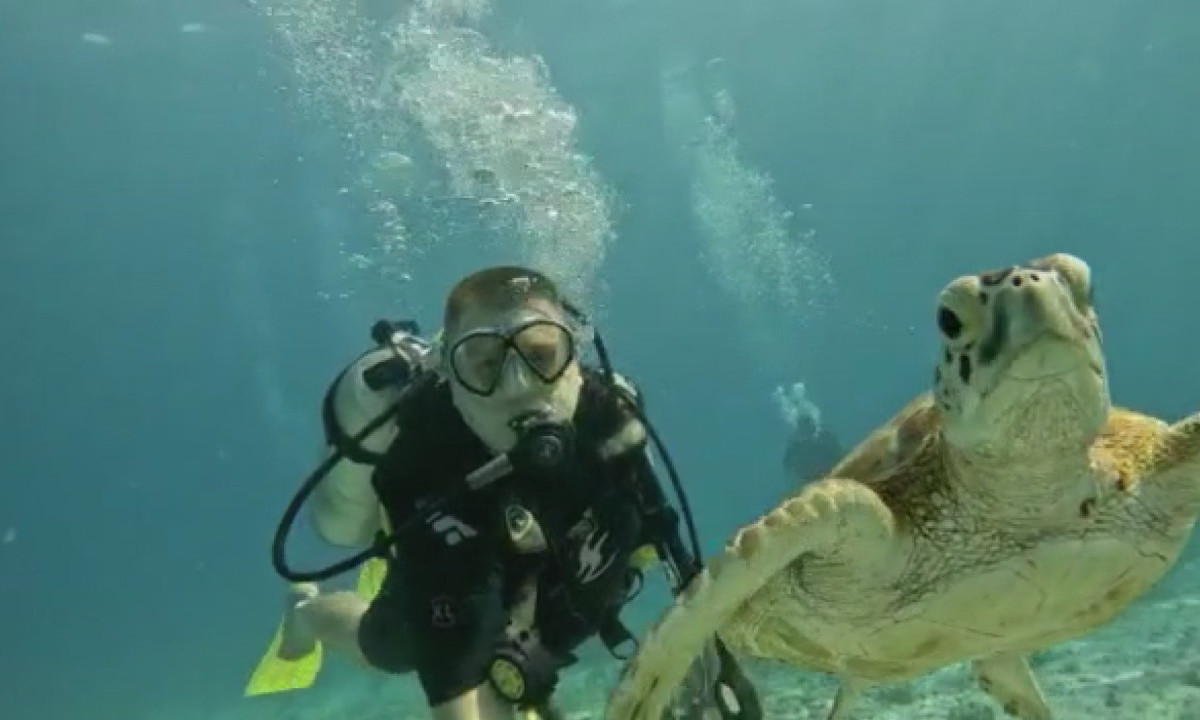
478	358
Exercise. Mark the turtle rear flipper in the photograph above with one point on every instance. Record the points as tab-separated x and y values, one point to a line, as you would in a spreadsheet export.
1008	678
1171	484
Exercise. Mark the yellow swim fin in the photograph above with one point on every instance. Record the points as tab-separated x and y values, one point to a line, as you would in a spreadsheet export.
370	578
274	674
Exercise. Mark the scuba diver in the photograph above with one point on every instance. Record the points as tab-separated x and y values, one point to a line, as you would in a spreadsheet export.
812	451
508	504
812	448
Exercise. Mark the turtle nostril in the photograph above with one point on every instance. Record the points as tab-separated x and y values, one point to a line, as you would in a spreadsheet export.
948	322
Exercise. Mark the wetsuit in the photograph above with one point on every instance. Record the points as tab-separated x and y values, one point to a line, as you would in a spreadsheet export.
452	578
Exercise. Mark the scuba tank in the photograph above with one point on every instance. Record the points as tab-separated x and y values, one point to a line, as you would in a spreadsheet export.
357	415
364	390
350	403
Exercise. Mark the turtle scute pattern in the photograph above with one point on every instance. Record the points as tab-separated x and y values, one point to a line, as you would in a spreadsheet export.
1009	508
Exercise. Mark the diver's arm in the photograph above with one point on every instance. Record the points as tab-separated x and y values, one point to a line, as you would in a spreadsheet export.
660	525
660	522
344	509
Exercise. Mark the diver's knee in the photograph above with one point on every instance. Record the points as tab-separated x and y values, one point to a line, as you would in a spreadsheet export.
480	703
384	647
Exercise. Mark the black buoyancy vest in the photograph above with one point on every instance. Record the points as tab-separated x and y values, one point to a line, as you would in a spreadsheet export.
589	515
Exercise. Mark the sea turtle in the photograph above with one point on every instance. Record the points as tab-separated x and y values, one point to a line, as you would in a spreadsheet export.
1010	509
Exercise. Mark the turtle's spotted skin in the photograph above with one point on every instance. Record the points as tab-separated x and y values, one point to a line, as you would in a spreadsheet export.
1008	510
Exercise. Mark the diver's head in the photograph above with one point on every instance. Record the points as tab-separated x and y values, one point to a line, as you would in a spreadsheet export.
509	351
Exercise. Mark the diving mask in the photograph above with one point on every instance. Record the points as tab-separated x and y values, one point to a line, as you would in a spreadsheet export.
478	358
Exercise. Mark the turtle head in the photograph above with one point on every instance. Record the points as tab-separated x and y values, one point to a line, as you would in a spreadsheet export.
1021	374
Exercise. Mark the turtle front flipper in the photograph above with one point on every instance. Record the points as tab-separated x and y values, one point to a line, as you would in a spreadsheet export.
1171	482
827	516
1008	678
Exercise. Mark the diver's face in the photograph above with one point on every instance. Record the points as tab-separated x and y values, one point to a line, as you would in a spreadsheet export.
504	365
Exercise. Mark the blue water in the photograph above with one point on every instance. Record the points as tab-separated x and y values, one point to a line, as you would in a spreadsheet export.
179	226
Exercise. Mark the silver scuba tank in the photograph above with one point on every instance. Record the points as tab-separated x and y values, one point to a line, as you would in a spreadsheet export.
364	390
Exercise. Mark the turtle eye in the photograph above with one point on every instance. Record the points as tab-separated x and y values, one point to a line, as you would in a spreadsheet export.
949	322
960	310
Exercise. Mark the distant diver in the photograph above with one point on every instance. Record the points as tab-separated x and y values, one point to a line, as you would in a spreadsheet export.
812	448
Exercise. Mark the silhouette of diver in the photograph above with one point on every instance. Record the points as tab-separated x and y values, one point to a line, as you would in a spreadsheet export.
812	448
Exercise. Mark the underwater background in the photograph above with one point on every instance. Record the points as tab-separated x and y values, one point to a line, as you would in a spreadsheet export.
205	206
